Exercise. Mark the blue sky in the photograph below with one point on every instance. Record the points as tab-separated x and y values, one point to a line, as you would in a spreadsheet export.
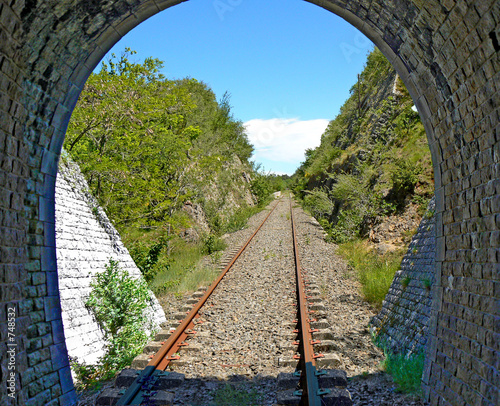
288	65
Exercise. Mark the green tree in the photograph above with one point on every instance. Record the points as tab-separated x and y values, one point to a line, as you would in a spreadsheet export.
131	138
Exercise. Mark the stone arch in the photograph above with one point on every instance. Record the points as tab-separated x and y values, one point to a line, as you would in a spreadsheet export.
448	55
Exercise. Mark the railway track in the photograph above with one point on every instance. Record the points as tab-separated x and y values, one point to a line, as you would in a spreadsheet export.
308	382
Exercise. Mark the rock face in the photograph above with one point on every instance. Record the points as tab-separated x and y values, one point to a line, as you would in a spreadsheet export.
85	241
403	322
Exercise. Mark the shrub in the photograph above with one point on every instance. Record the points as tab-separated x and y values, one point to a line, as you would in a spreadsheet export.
118	303
318	203
212	244
146	257
347	227
404	178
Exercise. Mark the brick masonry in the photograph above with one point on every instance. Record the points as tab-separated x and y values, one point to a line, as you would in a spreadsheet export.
403	323
85	241
447	53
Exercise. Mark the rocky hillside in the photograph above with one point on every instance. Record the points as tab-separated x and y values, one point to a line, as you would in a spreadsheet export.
371	177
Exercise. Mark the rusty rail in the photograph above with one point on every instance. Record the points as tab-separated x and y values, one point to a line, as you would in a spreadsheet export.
165	354
310	393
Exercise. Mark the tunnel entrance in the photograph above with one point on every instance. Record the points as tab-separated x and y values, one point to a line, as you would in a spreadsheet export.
446	54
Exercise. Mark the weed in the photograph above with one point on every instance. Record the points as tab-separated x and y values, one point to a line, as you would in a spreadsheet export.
429	214
375	272
405	370
269	254
231	396
405	282
427	284
307	241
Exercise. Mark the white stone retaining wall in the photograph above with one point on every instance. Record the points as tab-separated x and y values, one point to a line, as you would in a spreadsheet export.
85	241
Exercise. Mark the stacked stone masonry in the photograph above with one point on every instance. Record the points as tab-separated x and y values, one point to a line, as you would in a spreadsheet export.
85	242
403	323
447	52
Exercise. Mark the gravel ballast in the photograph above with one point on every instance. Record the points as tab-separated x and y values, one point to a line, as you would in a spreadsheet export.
246	337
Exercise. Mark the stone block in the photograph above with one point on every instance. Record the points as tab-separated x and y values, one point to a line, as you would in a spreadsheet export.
59	356
52	308
66	380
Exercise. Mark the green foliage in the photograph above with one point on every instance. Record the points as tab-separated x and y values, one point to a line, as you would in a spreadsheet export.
261	187
146	144
88	377
318	203
405	282
405	177
347	228
372	157
146	257
406	370
233	396
184	272
118	303
212	243
375	272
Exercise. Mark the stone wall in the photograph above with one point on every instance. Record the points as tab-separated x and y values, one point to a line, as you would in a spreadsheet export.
85	241
403	322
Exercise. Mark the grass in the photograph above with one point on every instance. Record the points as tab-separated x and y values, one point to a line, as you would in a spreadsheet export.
239	219
232	396
375	272
406	371
183	272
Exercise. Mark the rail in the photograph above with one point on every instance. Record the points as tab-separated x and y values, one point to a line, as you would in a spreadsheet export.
137	392
310	393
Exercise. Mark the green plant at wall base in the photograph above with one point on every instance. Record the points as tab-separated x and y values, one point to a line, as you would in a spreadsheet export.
375	272
405	370
118	303
427	284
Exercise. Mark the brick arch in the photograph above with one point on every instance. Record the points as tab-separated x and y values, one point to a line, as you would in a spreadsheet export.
447	53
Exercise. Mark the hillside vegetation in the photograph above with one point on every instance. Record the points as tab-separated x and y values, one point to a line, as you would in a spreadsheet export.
373	160
370	180
165	160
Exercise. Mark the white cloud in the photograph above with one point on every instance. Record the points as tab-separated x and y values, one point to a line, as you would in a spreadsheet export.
284	139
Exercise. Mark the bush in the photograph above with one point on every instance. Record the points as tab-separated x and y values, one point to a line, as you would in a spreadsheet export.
318	203
212	244
262	186
347	227
404	178
118	303
146	257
